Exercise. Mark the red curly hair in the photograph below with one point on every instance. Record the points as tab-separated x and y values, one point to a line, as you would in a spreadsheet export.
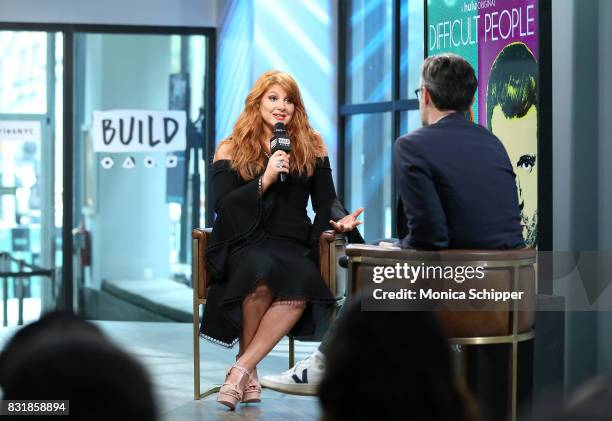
244	144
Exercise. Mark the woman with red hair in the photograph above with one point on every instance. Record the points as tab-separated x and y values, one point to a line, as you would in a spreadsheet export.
262	252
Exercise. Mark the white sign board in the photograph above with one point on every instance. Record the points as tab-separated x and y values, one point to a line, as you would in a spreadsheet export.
24	131
139	131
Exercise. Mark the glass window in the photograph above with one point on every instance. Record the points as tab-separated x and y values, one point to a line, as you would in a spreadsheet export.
58	146
140	210
411	46
369	174
368	36
409	121
368	57
23	72
30	214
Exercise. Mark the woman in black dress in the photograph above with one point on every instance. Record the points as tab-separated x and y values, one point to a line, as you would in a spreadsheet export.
262	255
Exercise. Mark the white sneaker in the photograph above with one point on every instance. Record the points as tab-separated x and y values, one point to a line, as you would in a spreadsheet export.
302	379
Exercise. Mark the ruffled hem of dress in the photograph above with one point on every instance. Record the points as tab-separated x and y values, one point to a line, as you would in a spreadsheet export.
233	300
218	342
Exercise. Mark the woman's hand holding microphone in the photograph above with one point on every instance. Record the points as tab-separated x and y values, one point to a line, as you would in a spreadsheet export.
277	164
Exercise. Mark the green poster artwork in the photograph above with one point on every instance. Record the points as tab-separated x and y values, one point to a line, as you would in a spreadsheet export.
499	38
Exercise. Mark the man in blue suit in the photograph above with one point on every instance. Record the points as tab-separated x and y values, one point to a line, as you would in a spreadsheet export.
456	188
455	182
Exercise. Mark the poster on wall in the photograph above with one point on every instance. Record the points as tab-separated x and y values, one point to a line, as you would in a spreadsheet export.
500	40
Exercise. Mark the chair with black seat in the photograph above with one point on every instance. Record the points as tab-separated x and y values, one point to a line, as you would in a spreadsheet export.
504	322
331	247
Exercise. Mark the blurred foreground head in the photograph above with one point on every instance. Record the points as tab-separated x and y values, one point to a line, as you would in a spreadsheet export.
391	366
61	357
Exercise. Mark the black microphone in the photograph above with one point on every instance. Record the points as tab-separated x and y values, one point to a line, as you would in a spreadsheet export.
280	142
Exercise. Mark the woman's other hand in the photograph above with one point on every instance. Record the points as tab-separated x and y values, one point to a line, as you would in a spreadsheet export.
348	223
277	164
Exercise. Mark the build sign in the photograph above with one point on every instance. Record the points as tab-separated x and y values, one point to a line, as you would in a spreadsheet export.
139	131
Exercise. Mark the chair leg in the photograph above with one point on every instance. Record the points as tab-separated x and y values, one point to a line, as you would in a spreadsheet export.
197	394
463	362
291	351
513	382
196	353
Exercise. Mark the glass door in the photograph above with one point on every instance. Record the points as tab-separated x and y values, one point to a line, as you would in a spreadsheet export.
139	128
30	218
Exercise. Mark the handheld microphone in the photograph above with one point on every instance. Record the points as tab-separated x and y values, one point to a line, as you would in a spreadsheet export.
280	142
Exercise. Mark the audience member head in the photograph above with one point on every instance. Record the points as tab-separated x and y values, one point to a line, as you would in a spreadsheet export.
51	328
448	83
391	366
61	357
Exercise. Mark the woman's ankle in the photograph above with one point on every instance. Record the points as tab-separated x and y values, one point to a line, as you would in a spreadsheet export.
244	363
238	375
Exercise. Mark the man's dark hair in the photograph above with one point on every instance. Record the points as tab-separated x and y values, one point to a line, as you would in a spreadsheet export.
512	82
450	81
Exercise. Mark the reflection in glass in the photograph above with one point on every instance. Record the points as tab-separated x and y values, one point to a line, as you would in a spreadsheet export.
58	149
409	121
30	89
368	51
140	217
369	173
23	72
411	46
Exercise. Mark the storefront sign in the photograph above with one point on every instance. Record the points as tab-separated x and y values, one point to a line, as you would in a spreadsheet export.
24	131
139	131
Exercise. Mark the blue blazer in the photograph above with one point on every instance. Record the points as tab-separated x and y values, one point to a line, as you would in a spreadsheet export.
456	188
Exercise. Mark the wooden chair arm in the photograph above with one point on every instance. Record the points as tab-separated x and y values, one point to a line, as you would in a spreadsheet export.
378	252
331	247
199	275
504	270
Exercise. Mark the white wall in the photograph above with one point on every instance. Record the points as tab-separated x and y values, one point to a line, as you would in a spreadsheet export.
198	13
605	125
562	63
605	174
582	170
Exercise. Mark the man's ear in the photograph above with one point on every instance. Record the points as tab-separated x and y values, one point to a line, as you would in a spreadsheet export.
426	96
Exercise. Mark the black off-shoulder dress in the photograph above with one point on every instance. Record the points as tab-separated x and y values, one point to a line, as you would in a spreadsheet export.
268	238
